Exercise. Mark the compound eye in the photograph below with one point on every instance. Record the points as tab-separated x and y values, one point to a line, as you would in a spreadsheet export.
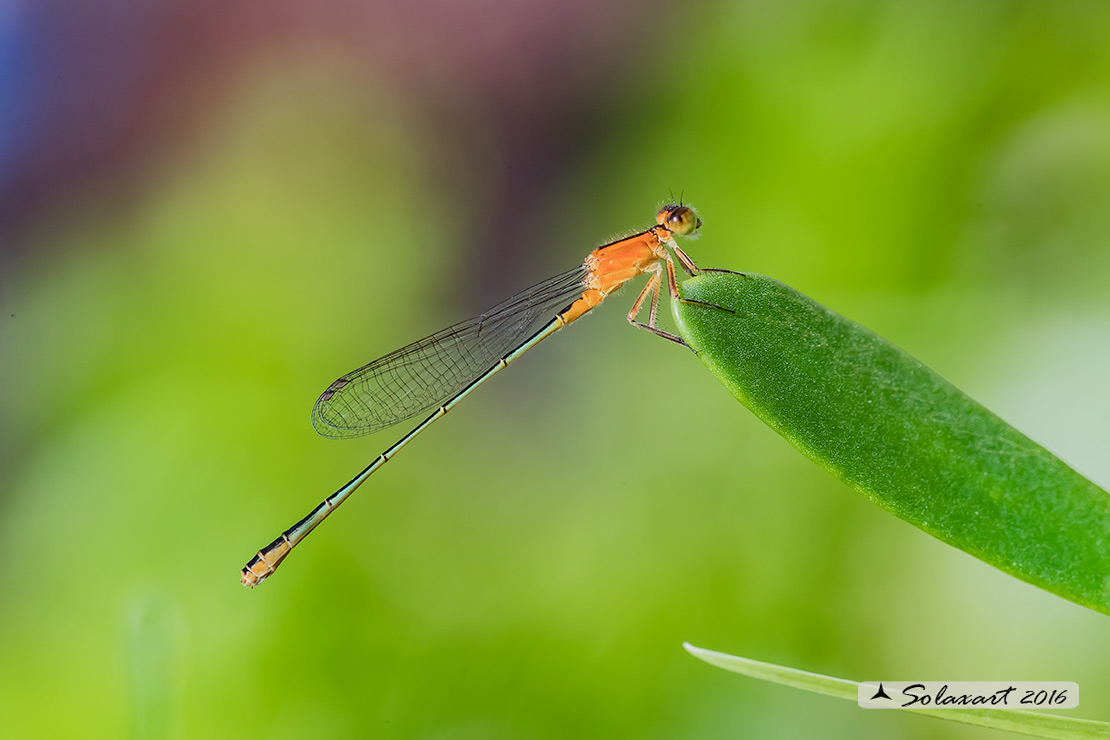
681	220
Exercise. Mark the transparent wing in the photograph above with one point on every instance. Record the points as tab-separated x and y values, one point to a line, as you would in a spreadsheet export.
425	374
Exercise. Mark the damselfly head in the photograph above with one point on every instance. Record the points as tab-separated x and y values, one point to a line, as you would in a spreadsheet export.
681	220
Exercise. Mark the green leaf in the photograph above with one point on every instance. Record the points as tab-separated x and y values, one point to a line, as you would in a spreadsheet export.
900	434
1014	720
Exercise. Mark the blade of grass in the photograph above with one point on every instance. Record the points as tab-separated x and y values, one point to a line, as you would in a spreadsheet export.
1014	720
894	430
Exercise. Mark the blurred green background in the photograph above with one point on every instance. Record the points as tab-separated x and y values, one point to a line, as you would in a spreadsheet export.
208	213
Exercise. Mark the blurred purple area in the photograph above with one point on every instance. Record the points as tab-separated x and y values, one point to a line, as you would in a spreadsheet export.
98	97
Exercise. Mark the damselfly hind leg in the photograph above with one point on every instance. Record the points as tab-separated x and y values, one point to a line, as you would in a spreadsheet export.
652	287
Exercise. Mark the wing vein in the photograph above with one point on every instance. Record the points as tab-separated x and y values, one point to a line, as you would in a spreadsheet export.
425	374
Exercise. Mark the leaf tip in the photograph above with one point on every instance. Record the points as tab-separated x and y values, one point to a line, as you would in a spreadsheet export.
694	650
